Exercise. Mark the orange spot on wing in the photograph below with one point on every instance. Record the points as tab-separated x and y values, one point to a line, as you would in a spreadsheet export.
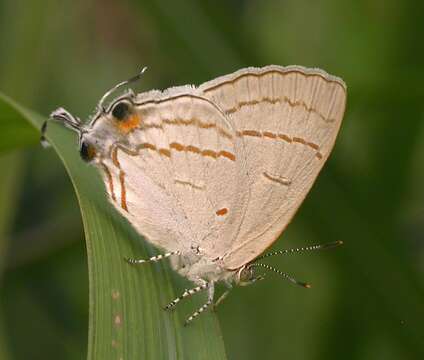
129	123
222	211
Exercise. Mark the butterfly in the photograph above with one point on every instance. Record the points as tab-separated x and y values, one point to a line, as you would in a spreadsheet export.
213	174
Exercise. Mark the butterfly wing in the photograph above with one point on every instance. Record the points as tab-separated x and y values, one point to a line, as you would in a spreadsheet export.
288	119
177	173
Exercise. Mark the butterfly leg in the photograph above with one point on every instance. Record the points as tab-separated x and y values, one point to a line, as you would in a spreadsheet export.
211	290
257	278
188	292
223	296
152	259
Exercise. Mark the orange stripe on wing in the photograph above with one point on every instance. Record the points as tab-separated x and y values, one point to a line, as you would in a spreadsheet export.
109	179
123	191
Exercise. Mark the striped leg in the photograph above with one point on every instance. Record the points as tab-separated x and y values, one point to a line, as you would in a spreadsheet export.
152	259
211	290
257	278
186	293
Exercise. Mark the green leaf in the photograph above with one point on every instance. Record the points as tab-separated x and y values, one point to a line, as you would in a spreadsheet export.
126	318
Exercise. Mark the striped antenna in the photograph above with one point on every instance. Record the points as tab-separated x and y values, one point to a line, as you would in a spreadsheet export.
100	106
302	249
284	275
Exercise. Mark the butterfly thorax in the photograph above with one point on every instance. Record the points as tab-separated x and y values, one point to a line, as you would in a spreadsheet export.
194	266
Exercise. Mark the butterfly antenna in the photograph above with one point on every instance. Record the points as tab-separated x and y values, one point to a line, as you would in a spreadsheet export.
63	116
284	275
100	106
302	249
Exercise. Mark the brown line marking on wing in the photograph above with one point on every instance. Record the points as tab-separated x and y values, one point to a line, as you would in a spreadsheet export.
205	152
114	156
148	146
210	153
193	149
310	144
279	179
284	137
177	146
271	71
299	140
123	191
179	96
269	135
145	126
109	179
188	183
166	152
313	146
227	154
283	99
187	122
221	212
199	123
251	133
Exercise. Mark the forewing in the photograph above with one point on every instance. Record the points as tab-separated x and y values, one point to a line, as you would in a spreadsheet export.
288	119
177	177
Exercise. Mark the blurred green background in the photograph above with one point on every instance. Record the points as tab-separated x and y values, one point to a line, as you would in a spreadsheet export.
367	299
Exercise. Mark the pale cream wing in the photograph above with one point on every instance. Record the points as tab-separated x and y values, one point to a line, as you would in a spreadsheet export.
288	119
177	178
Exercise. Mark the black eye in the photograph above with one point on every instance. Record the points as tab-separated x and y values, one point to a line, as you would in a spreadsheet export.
87	151
121	111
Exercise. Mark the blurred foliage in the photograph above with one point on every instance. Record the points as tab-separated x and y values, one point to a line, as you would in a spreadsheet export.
367	297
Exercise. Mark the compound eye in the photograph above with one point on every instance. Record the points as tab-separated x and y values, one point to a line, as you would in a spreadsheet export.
87	151
121	111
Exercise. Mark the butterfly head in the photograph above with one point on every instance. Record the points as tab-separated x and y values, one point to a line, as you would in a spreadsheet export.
110	124
105	128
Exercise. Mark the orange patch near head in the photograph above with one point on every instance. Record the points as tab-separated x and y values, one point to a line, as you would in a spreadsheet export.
128	124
